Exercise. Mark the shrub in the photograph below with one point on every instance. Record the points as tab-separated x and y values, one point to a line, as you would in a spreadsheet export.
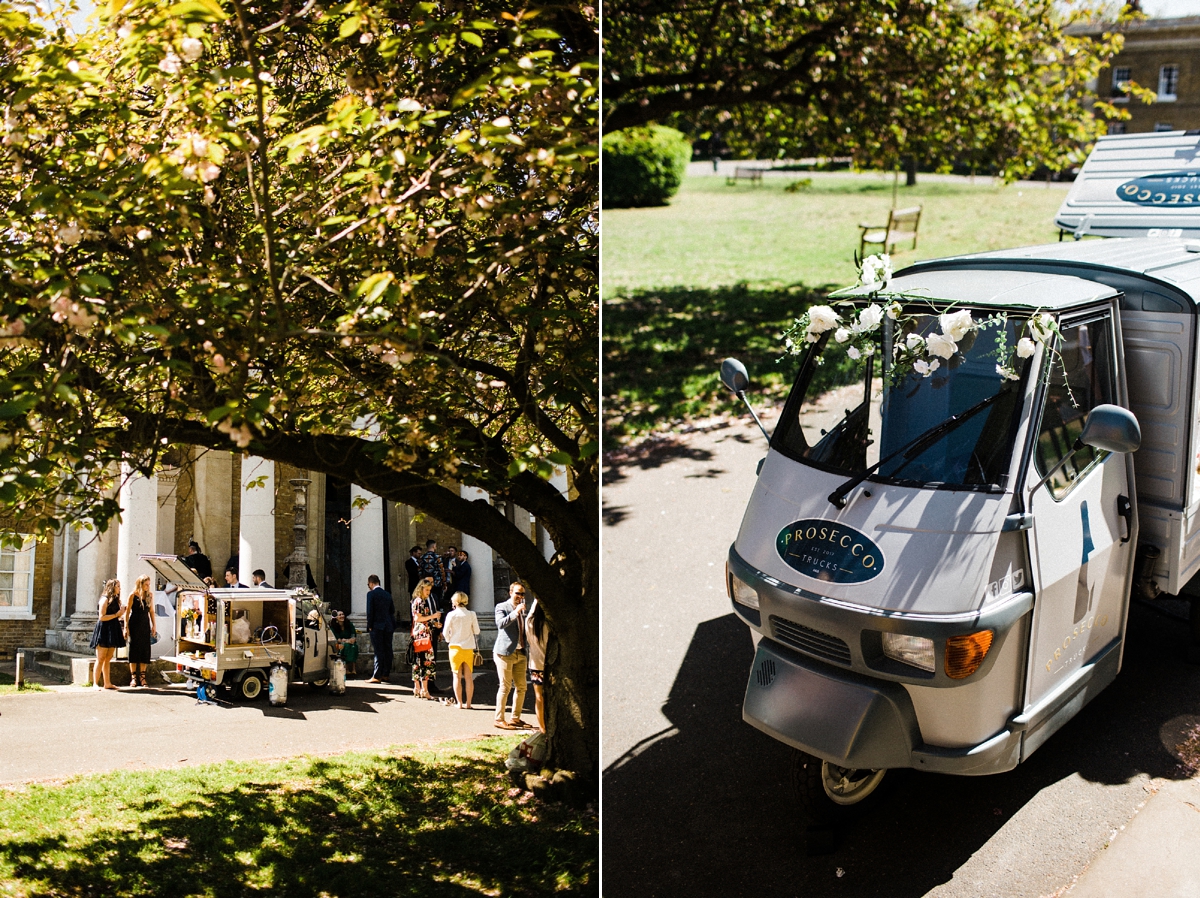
643	166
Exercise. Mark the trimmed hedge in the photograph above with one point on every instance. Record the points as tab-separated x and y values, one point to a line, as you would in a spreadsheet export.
643	166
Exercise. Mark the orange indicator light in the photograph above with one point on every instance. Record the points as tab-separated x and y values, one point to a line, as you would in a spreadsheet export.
964	654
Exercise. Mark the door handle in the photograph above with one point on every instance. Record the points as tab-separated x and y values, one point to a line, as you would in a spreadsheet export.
1125	510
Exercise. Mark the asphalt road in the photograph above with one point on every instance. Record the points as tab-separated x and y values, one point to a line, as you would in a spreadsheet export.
77	730
697	802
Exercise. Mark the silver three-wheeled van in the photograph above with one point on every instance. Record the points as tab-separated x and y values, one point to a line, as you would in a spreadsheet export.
979	462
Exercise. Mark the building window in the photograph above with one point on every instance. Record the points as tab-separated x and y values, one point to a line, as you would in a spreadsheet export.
1168	79
1163	126
1121	76
1116	127
16	581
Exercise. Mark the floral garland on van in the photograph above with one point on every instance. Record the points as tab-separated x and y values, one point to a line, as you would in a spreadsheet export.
911	351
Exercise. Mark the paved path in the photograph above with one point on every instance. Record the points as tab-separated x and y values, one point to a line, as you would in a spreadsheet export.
697	802
76	730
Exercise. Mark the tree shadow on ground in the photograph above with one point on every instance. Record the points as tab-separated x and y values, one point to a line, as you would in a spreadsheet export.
662	350
393	826
708	803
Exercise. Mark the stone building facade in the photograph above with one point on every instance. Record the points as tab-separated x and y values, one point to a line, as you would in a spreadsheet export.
239	508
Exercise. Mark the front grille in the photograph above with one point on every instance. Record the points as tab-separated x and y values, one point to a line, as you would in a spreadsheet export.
810	641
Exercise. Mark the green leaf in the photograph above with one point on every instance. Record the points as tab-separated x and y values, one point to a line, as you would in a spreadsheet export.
349	26
472	38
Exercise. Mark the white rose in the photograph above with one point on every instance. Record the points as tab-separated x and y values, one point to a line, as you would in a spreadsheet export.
1025	348
853	352
192	48
914	342
941	345
924	368
870	317
841	335
955	325
1040	327
894	309
821	319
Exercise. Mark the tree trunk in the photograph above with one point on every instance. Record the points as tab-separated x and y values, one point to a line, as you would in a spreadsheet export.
572	692
910	171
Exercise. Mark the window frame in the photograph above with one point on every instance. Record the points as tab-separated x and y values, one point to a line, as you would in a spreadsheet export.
1165	96
1114	387
1120	75
16	611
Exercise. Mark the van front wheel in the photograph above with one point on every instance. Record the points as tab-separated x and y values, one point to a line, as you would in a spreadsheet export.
826	791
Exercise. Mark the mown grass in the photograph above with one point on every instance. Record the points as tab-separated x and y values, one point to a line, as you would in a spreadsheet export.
442	822
722	270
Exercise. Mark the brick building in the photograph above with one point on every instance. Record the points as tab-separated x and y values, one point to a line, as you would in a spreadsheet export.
1162	55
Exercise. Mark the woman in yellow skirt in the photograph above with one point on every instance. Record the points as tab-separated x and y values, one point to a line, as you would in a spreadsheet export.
459	630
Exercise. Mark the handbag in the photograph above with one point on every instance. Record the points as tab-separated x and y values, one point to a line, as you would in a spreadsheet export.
477	661
421	642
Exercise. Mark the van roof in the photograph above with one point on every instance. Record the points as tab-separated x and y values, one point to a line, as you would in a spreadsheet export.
959	281
1167	269
1137	185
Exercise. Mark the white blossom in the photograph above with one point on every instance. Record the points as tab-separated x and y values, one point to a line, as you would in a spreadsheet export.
821	319
870	318
894	309
1041	327
1025	348
875	269
69	234
925	368
192	48
144	234
841	335
853	352
1007	373
171	64
941	345
209	171
914	342
955	325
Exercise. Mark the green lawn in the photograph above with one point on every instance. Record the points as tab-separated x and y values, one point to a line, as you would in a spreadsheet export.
723	269
431	823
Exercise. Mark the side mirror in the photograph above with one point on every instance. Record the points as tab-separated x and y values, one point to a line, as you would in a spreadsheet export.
734	376
1112	428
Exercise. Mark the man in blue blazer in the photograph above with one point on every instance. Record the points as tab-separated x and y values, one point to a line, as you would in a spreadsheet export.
381	624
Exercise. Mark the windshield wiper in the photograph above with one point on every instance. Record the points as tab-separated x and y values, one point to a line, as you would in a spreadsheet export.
909	449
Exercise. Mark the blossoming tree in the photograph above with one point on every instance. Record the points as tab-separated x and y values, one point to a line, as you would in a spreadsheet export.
360	238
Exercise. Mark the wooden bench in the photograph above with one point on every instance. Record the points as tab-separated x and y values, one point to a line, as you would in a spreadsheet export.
745	173
901	224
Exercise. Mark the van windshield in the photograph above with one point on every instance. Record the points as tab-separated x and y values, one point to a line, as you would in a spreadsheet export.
845	415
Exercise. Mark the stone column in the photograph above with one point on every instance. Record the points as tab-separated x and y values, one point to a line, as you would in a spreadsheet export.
256	540
137	533
168	497
545	543
480	555
211	525
366	548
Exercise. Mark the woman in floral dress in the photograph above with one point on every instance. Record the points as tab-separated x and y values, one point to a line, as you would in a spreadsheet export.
423	616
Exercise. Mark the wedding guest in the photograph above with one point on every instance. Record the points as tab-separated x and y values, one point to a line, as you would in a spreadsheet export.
106	635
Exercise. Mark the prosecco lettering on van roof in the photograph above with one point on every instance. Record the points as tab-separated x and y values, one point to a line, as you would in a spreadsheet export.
1181	188
826	550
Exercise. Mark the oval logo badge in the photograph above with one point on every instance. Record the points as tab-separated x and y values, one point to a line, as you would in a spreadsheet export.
1178	188
828	551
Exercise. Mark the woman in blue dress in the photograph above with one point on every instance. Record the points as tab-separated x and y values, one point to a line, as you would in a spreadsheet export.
107	636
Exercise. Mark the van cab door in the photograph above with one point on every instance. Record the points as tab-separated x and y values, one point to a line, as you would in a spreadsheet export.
1083	519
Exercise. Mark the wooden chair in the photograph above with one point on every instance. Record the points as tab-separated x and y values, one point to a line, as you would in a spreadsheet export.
901	224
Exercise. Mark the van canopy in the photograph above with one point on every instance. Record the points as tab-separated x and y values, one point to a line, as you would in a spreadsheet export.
1137	185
